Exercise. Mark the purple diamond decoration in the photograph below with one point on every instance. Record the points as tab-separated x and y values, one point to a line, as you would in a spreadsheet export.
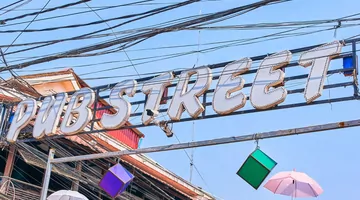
116	180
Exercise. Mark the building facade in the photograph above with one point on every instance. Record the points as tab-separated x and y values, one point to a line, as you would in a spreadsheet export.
23	164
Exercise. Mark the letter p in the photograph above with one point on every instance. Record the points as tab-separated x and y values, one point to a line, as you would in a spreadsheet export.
24	113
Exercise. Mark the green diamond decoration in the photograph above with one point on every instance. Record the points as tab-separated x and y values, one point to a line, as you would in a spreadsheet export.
256	168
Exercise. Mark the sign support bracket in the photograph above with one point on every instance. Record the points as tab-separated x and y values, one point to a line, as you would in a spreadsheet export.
355	67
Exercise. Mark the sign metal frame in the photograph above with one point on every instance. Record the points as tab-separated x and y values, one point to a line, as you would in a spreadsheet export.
206	103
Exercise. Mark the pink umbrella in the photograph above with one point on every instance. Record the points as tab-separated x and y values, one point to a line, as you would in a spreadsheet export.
294	184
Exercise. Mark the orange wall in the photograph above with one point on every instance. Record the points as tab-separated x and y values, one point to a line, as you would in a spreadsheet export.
58	87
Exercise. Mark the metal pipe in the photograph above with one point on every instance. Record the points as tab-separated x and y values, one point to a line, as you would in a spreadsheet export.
355	60
355	68
47	175
222	64
3	112
227	140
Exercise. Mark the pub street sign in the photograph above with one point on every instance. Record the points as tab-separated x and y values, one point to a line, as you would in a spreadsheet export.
262	94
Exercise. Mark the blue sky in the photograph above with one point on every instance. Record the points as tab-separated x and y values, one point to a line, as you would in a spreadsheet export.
329	157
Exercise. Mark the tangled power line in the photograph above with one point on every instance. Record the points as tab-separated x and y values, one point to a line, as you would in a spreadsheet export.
128	41
138	35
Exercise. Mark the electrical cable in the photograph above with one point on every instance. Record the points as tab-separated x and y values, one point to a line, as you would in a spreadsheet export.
143	35
80	146
18	6
175	55
3	21
15	75
142	15
123	49
16	2
165	47
104	21
72	26
198	76
106	7
77	13
36	154
230	27
26	173
26	27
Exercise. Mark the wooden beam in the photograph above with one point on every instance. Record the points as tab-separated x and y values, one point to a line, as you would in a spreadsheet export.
10	161
76	183
8	167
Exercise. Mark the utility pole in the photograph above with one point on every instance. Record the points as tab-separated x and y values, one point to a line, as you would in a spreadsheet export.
47	175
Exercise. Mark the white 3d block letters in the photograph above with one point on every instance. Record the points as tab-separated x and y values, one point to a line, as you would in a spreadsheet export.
228	96
49	115
24	113
230	81
188	98
155	88
78	114
121	105
267	76
319	59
